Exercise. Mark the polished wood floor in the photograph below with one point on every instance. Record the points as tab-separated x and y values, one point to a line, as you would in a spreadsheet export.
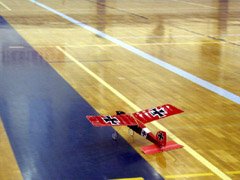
198	36
8	165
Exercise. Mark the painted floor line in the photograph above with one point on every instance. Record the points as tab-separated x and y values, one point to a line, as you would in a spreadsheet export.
234	172
5	6
188	175
196	155
194	4
198	175
134	178
174	36
135	107
203	83
114	45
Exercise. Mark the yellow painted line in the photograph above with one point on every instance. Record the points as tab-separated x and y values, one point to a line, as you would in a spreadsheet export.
5	6
234	172
198	175
8	165
114	91
188	175
133	44
172	36
135	178
174	43
146	44
196	155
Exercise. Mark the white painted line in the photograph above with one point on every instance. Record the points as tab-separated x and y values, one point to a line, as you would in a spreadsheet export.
196	155
5	6
16	47
195	4
218	90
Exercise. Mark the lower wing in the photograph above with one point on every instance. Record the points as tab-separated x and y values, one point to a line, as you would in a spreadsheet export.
116	120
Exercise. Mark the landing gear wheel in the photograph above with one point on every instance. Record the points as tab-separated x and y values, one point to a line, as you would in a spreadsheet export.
115	136
130	132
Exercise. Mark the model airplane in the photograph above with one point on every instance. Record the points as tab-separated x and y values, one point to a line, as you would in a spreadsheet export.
136	122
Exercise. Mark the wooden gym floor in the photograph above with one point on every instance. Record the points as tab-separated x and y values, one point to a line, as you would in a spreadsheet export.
132	55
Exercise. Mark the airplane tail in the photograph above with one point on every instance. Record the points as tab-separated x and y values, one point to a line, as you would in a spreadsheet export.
162	146
161	137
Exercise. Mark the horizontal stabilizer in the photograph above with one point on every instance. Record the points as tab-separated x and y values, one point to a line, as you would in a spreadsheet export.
152	149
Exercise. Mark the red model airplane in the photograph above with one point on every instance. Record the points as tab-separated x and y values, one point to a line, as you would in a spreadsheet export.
136	122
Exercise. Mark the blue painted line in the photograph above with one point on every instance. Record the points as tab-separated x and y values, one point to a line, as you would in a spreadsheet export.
203	83
45	121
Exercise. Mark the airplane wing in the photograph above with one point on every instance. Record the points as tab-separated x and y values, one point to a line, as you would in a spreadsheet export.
116	120
159	112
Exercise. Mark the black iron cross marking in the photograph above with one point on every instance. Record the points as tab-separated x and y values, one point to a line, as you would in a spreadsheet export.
112	120
159	112
144	133
160	136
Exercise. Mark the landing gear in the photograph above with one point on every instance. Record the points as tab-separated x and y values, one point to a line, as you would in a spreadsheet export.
130	132
115	136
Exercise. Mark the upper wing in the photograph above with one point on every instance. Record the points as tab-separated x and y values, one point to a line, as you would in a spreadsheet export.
159	112
116	120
